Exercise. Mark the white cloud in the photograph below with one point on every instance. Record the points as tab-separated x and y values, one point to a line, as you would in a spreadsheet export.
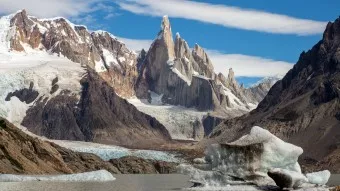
227	16
248	66
48	8
109	16
136	44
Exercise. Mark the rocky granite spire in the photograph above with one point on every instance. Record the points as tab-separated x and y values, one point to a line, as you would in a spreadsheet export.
165	35
181	48
182	76
203	64
231	81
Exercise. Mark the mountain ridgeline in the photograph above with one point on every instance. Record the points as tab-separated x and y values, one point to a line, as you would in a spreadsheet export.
304	107
94	109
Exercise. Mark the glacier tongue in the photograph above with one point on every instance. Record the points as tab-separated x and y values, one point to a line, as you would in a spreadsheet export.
107	152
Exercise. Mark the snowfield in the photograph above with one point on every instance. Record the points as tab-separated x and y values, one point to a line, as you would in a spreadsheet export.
19	70
95	176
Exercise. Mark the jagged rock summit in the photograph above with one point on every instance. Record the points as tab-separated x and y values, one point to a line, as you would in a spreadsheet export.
186	77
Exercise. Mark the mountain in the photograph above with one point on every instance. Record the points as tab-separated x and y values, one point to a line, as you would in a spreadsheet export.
99	50
183	76
52	83
61	81
172	73
258	91
302	108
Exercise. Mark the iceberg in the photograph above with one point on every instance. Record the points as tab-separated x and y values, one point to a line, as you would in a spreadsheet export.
320	178
258	159
253	155
95	176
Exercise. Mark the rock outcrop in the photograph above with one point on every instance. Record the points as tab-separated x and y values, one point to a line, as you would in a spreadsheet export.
303	107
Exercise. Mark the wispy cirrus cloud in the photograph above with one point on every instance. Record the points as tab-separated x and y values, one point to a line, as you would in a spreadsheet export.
248	66
227	16
50	8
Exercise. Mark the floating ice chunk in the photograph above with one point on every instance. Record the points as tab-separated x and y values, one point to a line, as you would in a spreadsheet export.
253	155
199	161
95	176
320	178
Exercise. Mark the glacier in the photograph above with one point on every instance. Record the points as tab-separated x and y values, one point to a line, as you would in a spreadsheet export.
178	120
107	152
95	176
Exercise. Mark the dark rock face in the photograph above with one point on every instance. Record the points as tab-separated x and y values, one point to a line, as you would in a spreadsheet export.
135	165
210	122
281	180
24	95
98	50
100	115
302	107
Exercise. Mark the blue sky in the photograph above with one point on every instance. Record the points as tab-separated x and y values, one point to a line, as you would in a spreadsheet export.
254	47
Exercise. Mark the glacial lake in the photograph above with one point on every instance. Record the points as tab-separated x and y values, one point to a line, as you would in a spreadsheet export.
169	182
